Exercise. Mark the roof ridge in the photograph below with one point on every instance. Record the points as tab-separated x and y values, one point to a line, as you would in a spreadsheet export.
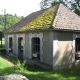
55	14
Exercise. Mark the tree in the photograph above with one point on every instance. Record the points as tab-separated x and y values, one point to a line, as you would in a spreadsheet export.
10	20
48	3
72	4
75	6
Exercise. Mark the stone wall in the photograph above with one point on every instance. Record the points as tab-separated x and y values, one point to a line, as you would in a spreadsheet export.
6	42
15	44
27	45
63	55
47	47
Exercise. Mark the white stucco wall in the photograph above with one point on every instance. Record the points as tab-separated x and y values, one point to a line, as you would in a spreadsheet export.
62	49
51	46
55	47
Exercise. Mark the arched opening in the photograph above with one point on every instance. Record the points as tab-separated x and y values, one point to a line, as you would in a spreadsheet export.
36	48
10	44
20	48
77	48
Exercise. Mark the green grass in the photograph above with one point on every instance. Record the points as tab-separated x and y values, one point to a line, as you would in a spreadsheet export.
5	67
36	73
4	63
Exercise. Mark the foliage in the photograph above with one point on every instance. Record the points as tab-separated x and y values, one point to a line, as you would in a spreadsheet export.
72	4
48	3
42	21
77	11
75	4
10	20
10	58
20	65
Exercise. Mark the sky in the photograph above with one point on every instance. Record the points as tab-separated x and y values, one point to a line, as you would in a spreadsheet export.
20	7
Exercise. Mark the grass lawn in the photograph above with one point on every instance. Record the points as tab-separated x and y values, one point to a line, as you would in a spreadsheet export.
5	67
35	73
4	63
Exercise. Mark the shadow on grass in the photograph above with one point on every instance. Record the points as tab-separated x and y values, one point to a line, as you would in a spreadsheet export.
7	71
66	74
29	74
14	60
35	68
38	74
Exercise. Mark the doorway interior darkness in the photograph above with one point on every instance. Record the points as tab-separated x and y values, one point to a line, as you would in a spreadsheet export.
77	48
36	48
10	44
20	48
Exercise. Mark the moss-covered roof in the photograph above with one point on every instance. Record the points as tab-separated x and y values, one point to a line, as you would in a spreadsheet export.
42	21
58	17
37	20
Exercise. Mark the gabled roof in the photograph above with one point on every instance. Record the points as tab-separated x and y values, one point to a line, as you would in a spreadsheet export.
57	17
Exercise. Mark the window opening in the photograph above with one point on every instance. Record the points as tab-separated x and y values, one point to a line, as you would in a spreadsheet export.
21	44
36	47
77	48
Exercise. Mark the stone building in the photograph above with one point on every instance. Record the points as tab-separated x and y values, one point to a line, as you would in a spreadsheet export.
50	36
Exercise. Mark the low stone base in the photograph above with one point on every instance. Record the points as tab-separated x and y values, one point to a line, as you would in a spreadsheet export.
69	65
39	64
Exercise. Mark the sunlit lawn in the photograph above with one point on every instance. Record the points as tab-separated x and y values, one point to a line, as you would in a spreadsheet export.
35	73
5	67
4	63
